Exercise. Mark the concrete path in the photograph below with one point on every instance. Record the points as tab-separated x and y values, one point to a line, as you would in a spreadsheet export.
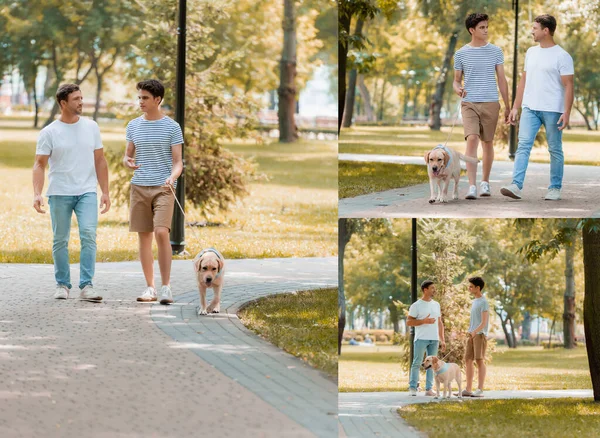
374	414
581	194
125	369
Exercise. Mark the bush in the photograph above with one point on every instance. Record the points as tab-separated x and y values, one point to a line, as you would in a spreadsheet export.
359	338
382	338
527	343
547	345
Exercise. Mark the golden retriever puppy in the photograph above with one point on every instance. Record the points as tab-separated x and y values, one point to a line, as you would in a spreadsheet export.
209	265
444	373
443	165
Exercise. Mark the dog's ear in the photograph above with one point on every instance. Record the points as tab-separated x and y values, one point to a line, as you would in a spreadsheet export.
221	263
427	157
197	263
435	359
446	158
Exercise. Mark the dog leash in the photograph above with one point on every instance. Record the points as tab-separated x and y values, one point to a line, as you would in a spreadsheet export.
454	121
181	208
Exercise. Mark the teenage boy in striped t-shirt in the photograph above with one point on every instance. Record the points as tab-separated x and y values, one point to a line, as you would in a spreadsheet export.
154	149
480	62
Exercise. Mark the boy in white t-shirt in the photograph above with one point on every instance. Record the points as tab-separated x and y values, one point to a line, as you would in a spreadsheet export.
425	316
546	94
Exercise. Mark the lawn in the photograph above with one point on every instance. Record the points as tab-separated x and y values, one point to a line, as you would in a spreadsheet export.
292	213
548	418
579	145
303	324
378	369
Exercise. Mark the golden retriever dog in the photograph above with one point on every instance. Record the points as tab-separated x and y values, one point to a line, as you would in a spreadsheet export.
444	373
209	265
443	164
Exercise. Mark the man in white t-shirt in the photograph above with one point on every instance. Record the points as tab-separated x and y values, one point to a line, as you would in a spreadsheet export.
425	316
546	94
72	147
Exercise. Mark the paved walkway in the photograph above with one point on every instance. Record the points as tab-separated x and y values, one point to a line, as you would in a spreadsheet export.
374	414
581	194
125	369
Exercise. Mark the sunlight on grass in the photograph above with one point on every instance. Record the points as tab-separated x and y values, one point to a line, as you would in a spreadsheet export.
378	369
291	214
506	418
303	324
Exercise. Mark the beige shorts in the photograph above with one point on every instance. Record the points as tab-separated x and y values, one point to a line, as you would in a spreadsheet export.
476	347
150	207
480	118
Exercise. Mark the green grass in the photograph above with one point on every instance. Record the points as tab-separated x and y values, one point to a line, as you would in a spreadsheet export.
378	369
290	213
359	178
550	418
303	324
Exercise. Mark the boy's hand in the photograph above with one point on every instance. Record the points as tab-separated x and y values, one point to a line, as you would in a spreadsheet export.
170	181
130	162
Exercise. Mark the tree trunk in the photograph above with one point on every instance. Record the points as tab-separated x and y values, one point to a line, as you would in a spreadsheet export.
526	326
288	132
435	120
394	317
551	330
512	333
351	93
585	118
569	297
591	302
537	342
366	97
343	239
382	101
344	24
98	94
506	334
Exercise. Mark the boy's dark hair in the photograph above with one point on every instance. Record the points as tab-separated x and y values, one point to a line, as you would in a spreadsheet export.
426	284
473	20
63	92
477	281
546	21
152	86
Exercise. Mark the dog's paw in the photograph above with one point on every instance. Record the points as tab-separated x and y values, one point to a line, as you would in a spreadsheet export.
444	201
201	311
431	201
455	197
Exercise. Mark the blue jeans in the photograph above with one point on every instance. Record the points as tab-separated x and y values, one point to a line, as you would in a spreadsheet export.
61	210
529	125
421	347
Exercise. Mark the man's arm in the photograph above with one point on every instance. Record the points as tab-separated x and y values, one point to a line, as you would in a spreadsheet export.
441	334
568	82
514	112
503	86
484	320
102	174
457	83
414	322
39	169
177	164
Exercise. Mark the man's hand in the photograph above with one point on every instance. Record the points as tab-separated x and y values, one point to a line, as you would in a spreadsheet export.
130	162
104	202
506	115
512	116
443	346
38	203
565	121
428	320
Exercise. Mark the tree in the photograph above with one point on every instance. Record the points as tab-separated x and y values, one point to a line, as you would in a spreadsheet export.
287	88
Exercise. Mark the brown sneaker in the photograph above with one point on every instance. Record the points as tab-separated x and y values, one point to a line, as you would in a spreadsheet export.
148	295
466	393
430	393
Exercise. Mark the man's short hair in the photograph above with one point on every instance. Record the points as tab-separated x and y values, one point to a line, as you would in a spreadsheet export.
64	90
426	284
152	86
546	21
473	20
477	281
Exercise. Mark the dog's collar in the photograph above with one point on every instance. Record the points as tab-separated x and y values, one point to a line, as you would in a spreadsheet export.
443	369
445	149
219	256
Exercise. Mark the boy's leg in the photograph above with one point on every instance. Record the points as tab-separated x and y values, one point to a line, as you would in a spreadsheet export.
141	222
419	351
165	254
86	210
471	126
469	357
557	158
480	345
488	159
146	257
529	125
472	143
489	121
162	205
61	211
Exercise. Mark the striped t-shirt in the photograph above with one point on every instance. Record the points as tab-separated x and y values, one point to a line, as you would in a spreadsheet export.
479	67
153	140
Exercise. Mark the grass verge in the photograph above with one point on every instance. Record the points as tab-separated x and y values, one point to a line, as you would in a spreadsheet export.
303	324
506	418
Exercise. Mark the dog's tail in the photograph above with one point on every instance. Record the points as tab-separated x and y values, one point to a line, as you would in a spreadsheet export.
468	159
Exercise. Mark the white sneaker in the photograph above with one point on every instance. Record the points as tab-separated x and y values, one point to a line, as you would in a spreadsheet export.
472	193
88	294
148	295
412	391
62	292
477	393
512	191
166	297
484	189
553	195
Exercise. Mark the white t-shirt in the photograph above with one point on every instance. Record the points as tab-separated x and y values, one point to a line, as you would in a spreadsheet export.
544	90
71	149
419	310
